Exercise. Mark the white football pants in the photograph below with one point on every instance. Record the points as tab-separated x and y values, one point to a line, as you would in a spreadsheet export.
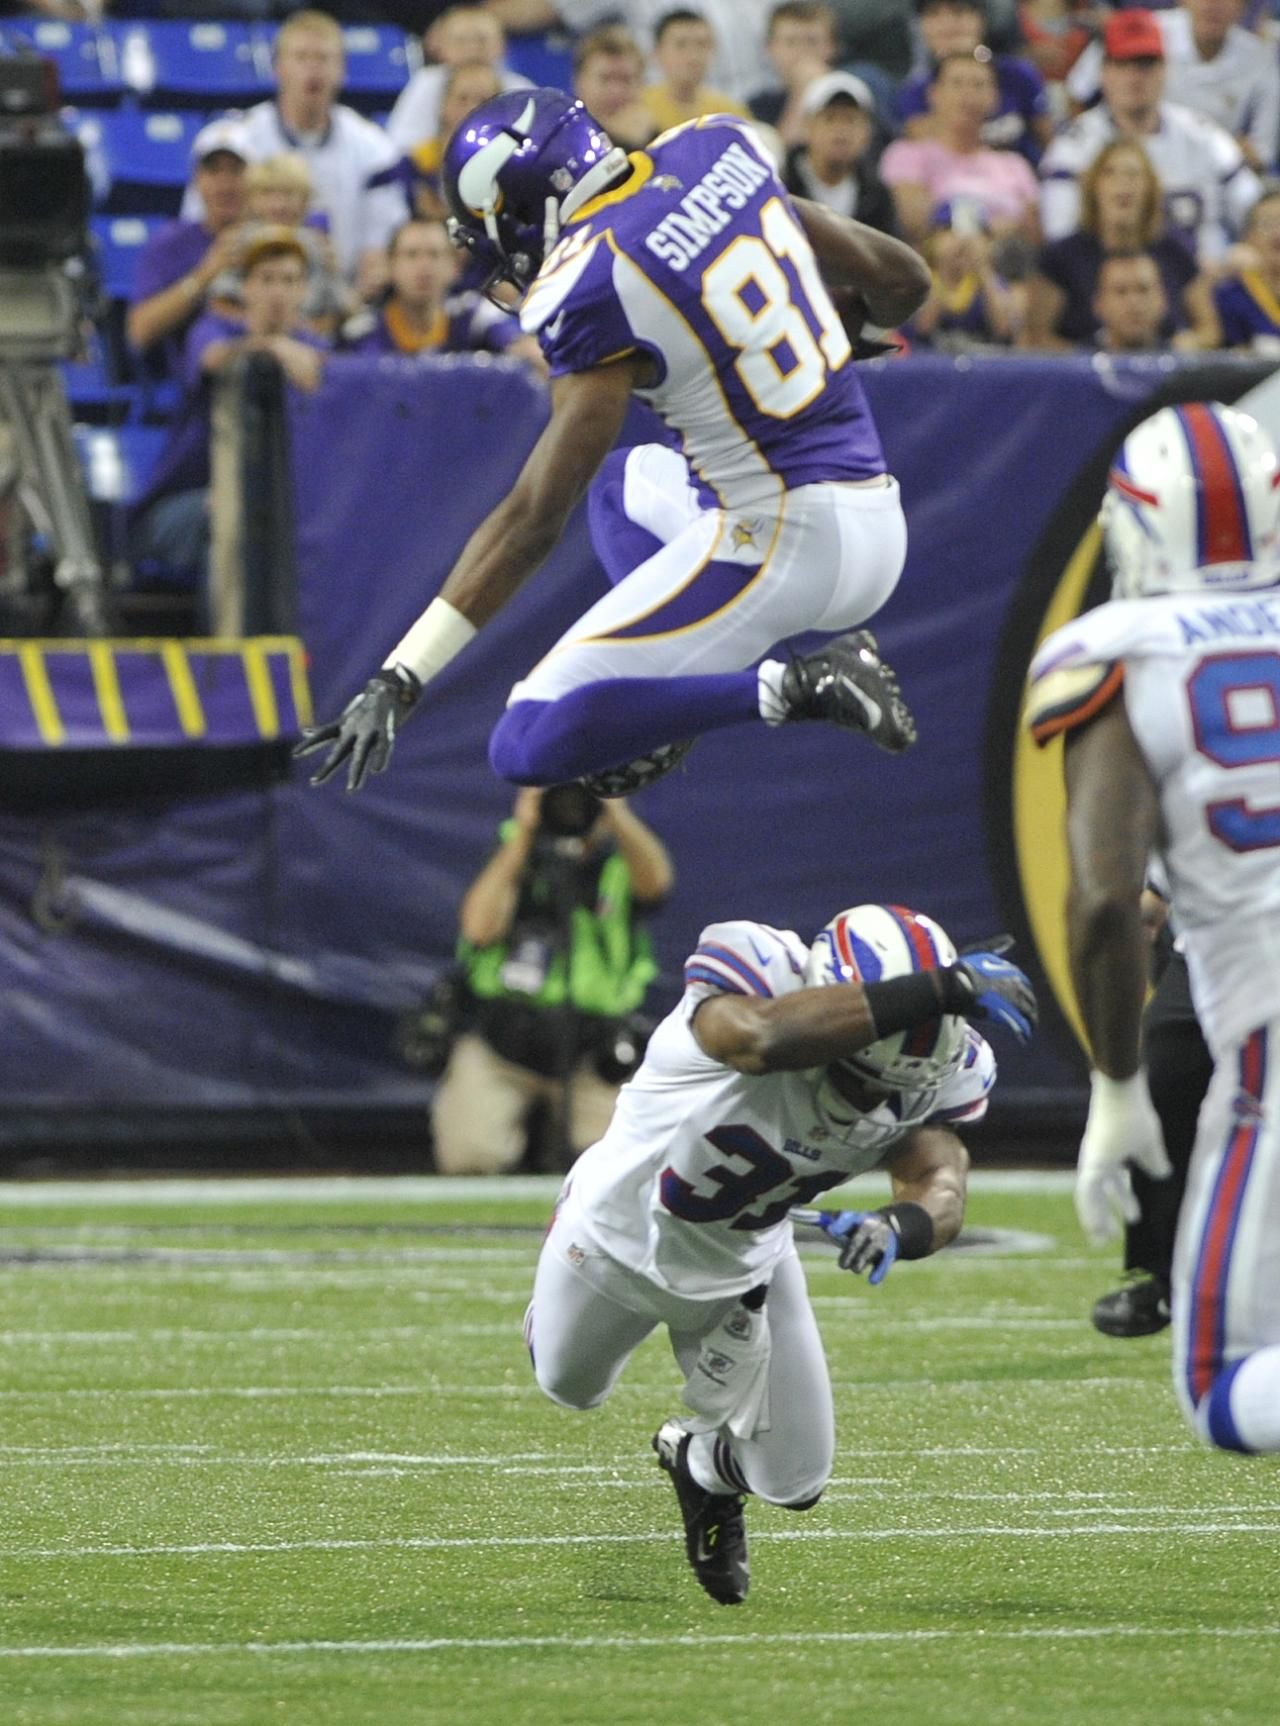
728	585
1226	1267
589	1314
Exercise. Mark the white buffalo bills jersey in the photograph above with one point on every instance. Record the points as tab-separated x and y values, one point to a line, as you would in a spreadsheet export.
693	1181
1200	679
1208	186
1239	88
699	262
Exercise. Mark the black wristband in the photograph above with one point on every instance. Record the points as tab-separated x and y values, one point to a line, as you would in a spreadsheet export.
902	1003
914	1228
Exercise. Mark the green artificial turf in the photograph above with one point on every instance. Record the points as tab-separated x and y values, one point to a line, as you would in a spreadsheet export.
274	1454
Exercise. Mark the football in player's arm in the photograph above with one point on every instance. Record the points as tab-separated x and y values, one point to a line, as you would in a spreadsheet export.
783	1071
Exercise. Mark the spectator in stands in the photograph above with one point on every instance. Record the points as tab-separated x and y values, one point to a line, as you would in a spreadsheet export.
802	46
1208	186
467	85
181	260
422	313
833	166
954	163
1129	305
970	305
1215	67
875	39
171	522
555	961
1054	34
1120	211
1021	120
684	46
740	66
608	75
1247	304
462	36
354	165
278	195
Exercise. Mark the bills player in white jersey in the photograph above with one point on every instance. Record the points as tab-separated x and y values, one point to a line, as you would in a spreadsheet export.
687	275
1169	698
783	1070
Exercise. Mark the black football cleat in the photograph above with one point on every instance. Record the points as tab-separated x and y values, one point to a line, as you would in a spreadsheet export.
1140	1308
635	775
848	684
715	1535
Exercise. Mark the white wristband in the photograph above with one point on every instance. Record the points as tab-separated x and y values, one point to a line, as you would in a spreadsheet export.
438	636
1116	1099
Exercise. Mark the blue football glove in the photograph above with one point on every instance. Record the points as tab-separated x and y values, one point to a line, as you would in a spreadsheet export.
997	989
869	1241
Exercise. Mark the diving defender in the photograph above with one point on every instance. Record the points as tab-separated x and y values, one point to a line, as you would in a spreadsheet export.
687	276
782	1071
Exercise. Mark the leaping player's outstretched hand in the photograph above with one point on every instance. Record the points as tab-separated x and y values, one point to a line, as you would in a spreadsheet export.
364	733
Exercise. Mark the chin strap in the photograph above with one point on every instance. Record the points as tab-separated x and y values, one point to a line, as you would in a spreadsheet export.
550	226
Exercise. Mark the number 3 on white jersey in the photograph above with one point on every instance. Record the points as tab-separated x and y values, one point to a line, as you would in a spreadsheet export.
748	298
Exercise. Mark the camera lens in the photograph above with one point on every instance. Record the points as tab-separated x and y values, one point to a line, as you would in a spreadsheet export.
569	811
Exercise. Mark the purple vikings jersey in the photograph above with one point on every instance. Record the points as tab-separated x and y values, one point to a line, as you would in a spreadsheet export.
699	261
1247	311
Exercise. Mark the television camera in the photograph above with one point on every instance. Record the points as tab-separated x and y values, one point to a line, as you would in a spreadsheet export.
44	217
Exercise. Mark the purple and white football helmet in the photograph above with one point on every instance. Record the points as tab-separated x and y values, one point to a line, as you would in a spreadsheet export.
516	169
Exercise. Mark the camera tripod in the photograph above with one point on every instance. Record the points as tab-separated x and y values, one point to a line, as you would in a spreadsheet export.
39	317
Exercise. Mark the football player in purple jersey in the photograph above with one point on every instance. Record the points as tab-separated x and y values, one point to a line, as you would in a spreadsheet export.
686	275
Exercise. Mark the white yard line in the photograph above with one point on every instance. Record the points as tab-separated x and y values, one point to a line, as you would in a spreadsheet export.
433	1388
409	1189
455	1543
45	1339
679	1639
112	1452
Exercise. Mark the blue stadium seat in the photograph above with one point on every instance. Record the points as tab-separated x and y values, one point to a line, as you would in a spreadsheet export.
119	241
546	59
86	59
379	62
209	64
147	158
91	392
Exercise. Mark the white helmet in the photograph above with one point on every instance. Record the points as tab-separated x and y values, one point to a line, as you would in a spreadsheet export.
869	944
1192	504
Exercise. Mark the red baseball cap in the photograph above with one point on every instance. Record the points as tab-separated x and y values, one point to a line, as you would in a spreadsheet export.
1132	34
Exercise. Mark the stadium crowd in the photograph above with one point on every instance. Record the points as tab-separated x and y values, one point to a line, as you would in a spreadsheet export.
1077	178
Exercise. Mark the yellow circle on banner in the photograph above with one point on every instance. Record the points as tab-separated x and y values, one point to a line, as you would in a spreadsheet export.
1039	804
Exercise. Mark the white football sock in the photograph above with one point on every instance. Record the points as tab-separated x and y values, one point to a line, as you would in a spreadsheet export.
773	709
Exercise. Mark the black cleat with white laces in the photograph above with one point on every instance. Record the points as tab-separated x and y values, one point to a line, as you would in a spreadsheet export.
848	684
715	1535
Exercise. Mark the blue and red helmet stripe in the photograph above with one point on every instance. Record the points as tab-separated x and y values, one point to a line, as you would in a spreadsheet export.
1222	517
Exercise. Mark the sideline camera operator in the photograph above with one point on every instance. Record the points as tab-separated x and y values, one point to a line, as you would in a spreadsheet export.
554	965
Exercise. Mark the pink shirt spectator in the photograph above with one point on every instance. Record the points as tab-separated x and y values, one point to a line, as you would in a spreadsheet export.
1000	180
